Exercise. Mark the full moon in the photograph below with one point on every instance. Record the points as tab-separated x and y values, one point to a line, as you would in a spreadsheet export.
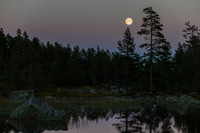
129	21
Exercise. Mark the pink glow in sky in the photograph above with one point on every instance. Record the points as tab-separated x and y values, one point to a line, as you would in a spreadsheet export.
90	23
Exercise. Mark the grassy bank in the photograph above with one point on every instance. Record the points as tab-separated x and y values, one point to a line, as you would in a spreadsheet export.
9	105
114	103
73	103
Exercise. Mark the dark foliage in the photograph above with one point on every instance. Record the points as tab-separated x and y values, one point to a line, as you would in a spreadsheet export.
26	63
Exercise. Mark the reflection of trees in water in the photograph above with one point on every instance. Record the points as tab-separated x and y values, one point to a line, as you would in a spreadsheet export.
37	126
5	127
16	126
152	119
129	122
189	122
90	114
158	119
147	119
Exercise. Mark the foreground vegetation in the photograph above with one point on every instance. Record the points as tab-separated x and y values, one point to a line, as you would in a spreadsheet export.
179	102
74	104
169	114
144	107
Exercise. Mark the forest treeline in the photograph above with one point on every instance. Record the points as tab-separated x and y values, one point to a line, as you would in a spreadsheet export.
28	63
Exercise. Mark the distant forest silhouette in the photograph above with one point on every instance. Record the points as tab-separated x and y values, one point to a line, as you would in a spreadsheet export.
31	64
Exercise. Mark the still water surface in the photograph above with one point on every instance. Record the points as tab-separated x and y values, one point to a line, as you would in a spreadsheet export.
104	126
159	120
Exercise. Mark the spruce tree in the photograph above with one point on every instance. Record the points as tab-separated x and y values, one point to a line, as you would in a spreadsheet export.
178	66
126	46
3	49
127	50
156	42
192	55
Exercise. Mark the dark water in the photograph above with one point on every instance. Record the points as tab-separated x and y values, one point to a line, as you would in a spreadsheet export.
147	120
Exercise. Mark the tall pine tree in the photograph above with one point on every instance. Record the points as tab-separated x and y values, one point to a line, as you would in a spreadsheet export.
156	42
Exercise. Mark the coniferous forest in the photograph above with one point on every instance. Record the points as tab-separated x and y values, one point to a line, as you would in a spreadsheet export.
31	64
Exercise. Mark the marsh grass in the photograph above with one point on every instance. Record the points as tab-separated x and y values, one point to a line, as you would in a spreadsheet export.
74	104
9	104
94	104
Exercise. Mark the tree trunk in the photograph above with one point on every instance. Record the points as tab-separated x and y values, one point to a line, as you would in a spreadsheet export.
151	76
115	76
48	63
127	82
127	79
151	58
126	123
94	80
30	75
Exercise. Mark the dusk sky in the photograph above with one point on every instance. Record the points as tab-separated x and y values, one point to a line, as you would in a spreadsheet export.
89	23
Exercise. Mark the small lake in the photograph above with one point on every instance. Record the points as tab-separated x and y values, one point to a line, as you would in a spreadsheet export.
146	120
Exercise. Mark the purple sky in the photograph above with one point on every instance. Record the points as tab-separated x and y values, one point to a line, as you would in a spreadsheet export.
89	23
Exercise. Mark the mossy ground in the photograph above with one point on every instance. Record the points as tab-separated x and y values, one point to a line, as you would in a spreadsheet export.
9	105
73	104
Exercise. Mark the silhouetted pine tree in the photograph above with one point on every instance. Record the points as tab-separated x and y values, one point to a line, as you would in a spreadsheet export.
3	56
127	50
192	56
156	42
178	64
